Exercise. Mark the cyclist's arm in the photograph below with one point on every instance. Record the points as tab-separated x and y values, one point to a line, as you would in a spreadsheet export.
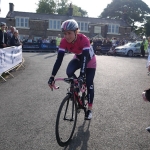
58	62
84	60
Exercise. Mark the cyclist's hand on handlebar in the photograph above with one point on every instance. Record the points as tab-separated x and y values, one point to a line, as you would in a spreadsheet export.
51	82
81	79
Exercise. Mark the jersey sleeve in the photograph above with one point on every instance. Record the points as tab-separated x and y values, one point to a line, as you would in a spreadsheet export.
85	54
58	62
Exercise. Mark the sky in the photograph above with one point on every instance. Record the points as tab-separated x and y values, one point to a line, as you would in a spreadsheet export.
93	7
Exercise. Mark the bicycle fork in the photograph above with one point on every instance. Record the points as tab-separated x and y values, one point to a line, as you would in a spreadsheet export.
72	110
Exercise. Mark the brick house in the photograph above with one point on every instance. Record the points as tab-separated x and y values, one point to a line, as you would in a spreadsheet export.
37	25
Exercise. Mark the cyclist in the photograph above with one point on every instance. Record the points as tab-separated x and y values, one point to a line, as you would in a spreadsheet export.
84	59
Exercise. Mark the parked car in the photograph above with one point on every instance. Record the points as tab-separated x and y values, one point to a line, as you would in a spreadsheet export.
129	49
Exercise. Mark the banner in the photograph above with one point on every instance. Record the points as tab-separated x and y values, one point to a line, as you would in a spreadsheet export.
39	46
10	57
30	46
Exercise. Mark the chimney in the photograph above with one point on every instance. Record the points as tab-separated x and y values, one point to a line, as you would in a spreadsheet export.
11	7
70	10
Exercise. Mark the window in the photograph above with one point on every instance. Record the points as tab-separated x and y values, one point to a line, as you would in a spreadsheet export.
79	25
117	29
86	26
113	28
22	22
83	26
54	24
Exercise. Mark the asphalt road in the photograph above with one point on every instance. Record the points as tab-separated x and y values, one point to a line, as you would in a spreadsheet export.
28	108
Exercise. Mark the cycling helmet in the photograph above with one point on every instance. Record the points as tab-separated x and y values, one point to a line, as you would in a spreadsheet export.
69	25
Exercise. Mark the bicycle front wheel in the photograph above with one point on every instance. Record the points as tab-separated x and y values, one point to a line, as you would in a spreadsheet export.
66	121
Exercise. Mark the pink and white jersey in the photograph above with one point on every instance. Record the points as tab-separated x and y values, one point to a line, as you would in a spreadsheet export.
82	43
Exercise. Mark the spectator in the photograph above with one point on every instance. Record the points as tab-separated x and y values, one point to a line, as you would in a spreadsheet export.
15	41
6	29
44	40
10	33
148	60
3	35
142	49
109	43
53	41
104	42
47	40
145	43
39	40
29	40
117	42
58	39
114	42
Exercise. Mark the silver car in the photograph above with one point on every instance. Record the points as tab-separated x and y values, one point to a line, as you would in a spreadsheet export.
129	49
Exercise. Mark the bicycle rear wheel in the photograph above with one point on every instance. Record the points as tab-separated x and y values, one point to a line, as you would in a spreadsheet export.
66	121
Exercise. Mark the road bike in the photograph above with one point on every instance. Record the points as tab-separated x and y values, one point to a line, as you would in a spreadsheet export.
71	105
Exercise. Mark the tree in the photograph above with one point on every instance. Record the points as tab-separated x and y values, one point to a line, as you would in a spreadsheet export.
59	7
83	12
131	11
46	6
62	7
147	28
77	11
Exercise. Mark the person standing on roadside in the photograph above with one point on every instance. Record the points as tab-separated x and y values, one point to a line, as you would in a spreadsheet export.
10	34
148	60
3	35
58	39
145	43
15	41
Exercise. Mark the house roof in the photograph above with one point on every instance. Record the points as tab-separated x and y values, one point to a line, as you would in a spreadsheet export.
40	16
2	19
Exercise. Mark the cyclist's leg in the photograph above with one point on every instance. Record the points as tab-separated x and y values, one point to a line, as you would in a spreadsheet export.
73	65
90	73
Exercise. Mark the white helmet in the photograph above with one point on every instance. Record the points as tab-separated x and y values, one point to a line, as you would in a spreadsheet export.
69	25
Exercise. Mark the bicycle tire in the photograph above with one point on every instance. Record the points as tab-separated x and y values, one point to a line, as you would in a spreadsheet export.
67	100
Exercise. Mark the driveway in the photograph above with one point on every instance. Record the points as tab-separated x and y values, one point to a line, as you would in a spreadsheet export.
28	108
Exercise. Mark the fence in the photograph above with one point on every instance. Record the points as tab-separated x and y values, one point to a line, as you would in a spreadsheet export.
10	58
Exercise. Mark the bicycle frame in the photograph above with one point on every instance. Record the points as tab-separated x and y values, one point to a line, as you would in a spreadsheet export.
73	83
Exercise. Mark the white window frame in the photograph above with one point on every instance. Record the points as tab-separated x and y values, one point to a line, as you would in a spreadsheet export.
113	29
54	24
22	22
83	26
